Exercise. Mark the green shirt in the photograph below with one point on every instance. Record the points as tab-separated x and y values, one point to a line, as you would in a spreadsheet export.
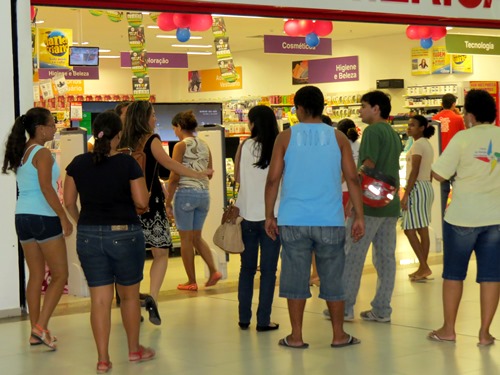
382	145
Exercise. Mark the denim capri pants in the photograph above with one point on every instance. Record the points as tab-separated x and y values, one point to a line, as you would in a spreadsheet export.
111	253
460	242
298	244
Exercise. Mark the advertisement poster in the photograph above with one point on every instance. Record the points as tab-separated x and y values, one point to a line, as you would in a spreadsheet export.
337	69
461	64
212	80
421	60
225	61
136	38
493	88
441	62
46	89
140	88
60	83
53	47
138	62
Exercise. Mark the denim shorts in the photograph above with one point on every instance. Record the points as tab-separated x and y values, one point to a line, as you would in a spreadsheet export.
37	228
460	242
191	208
111	253
298	244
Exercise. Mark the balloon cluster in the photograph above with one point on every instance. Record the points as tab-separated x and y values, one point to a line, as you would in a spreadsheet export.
184	23
426	34
312	30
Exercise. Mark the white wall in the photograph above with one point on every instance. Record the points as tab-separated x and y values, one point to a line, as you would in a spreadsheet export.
270	74
9	270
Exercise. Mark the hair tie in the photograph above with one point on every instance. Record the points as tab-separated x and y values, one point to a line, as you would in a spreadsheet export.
100	134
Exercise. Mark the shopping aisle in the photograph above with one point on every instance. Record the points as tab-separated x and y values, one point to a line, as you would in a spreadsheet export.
201	336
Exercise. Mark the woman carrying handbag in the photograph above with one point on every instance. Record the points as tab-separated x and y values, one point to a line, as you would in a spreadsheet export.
252	161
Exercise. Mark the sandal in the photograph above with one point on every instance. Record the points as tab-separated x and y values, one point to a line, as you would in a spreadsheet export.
43	335
103	367
190	287
214	278
144	354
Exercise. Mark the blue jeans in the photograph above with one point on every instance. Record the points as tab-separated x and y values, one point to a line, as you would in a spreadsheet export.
191	208
299	242
460	242
254	234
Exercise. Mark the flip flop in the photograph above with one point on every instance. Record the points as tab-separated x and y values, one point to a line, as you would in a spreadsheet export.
434	337
351	341
284	342
421	279
488	343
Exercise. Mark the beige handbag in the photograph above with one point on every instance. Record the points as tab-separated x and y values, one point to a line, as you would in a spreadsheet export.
228	234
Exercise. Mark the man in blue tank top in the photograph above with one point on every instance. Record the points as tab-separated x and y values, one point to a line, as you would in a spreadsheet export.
308	159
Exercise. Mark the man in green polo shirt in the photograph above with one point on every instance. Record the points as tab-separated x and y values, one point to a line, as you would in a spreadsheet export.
380	149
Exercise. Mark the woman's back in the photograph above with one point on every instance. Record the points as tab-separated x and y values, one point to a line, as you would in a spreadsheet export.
196	157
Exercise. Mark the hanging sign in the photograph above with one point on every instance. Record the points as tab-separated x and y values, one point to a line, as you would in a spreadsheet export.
158	60
140	88
473	44
292	45
212	80
53	47
337	69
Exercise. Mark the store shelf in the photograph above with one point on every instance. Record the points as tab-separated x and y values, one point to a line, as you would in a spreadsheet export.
344	105
282	105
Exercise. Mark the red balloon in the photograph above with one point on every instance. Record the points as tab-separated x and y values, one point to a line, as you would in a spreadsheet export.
291	28
201	22
323	28
424	32
33	13
165	21
182	20
412	32
306	27
438	32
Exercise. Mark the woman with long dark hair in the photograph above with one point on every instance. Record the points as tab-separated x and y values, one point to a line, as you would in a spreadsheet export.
140	123
110	241
251	167
41	221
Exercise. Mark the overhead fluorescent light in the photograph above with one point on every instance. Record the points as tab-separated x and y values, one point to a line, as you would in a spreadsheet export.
40	21
198	53
162	36
82	43
192	45
104	50
234	16
153	27
109	57
146	13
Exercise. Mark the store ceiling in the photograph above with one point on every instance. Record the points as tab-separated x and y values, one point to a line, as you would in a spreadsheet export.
244	33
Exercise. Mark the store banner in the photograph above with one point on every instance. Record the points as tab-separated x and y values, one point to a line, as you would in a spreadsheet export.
53	47
462	64
467	9
441	62
158	60
78	72
136	38
291	45
473	44
337	69
223	51
212	80
138	62
140	88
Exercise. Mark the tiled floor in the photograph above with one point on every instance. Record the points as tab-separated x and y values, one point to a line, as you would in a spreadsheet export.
199	334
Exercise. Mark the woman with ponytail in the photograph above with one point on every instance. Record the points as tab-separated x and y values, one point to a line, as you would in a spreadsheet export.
41	222
110	241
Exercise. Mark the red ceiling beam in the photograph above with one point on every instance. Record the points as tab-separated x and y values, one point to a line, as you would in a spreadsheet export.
191	6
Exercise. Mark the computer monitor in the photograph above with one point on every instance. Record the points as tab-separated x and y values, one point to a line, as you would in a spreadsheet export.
205	113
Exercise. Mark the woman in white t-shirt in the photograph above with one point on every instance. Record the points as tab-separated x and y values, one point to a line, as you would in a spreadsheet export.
251	167
472	220
418	195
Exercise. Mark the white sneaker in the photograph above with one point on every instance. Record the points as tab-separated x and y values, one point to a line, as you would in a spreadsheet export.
347	318
371	317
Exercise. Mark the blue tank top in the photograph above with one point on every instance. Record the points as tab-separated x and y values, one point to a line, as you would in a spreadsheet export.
311	191
31	199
